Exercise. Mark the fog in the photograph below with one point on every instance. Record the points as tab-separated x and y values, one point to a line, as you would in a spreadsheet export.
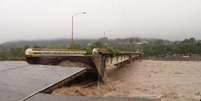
50	19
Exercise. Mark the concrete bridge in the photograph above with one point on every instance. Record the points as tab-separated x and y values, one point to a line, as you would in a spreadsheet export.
97	61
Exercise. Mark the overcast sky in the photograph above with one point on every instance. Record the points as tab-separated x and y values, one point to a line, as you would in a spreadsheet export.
50	19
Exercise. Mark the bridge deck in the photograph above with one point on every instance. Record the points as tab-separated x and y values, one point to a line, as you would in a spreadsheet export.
19	80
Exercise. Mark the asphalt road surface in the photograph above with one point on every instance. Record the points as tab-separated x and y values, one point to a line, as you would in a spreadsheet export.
19	80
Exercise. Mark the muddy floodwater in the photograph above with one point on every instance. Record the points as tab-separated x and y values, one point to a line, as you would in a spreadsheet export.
168	80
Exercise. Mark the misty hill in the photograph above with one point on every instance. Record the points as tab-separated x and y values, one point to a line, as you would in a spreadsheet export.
56	43
64	43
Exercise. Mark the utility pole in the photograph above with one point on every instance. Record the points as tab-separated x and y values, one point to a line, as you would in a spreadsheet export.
72	31
72	34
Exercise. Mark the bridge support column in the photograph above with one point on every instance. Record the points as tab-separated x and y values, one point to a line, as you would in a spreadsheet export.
100	63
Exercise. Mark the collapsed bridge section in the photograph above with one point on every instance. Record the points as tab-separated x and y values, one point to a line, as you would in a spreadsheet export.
103	59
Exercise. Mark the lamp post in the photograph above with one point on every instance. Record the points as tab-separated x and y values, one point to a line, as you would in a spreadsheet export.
72	39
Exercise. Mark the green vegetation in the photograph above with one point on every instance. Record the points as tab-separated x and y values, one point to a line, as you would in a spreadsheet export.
102	45
12	54
162	48
75	46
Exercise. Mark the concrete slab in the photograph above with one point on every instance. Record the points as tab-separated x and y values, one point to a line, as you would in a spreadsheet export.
19	80
45	97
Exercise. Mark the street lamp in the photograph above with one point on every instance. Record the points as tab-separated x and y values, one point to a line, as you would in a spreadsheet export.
76	14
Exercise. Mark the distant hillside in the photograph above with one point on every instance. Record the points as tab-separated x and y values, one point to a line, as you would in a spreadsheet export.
64	43
57	43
